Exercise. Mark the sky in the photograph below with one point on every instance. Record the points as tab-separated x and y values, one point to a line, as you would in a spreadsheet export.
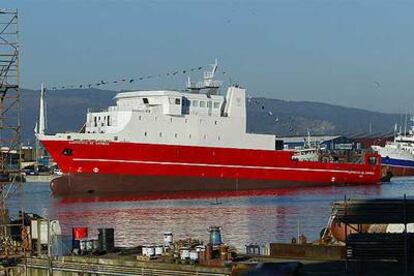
351	53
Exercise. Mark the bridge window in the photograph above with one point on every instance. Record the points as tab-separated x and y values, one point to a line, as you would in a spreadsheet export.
177	101
216	104
195	103
145	100
202	104
209	104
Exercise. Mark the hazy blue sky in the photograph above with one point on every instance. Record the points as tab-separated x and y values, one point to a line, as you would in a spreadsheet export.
352	53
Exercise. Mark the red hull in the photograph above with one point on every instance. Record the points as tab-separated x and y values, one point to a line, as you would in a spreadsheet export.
106	167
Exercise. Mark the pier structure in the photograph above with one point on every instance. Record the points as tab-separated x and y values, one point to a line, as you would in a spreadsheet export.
11	177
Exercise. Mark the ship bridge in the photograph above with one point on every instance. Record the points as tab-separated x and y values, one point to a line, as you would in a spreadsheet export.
170	102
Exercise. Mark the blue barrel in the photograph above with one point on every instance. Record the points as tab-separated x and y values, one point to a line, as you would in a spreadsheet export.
215	235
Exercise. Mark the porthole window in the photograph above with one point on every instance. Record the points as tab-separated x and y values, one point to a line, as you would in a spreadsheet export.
67	152
176	135
145	133
160	134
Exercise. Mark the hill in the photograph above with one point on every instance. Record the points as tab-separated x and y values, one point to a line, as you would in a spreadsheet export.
67	112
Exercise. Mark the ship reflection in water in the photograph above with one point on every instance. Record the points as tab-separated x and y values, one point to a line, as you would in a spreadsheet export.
245	217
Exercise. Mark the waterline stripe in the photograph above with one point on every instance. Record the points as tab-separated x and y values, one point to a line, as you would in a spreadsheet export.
222	166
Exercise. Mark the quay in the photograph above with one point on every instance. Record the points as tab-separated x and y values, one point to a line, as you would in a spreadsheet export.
128	265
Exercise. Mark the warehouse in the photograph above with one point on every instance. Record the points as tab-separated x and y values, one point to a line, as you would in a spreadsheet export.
329	143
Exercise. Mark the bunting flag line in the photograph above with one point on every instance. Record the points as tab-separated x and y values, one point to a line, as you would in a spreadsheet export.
129	80
286	123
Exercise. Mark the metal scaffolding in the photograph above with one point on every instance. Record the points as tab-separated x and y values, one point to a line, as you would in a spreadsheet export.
11	179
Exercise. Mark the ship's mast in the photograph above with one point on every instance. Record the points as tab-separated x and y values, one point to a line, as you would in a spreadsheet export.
208	83
42	123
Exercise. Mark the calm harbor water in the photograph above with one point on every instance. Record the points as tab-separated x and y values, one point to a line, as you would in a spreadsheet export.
272	216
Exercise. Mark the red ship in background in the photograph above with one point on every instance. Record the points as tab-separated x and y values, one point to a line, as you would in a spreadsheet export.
171	141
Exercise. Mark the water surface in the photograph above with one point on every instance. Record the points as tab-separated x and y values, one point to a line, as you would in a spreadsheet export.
267	217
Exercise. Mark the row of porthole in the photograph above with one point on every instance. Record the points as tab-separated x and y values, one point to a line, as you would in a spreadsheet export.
171	120
176	136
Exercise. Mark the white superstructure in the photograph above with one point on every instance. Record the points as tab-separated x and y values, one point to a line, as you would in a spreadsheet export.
193	117
402	148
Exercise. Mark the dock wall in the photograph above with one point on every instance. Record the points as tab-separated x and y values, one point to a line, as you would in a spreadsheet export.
84	265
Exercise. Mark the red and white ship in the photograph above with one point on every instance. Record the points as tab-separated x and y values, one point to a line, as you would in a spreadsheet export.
172	141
